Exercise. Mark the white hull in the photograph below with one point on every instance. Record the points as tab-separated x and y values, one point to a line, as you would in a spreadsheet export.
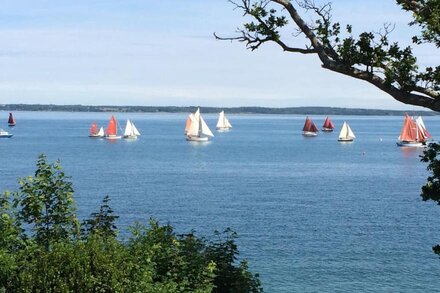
410	144
6	135
221	129
309	133
197	138
327	129
111	137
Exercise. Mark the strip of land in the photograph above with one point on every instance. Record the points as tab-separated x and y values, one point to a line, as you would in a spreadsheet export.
231	110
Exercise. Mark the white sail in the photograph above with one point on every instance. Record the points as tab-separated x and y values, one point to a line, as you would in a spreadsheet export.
100	132
227	123
135	131
204	128
221	120
128	129
350	133
346	132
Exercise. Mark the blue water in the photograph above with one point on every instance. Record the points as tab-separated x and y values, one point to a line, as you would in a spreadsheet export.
312	214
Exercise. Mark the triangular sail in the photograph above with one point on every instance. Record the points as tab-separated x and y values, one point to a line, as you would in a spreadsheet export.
193	129
221	120
422	126
93	128
328	124
227	123
204	128
188	122
350	133
11	119
309	126
409	130
101	131
112	127
135	131
128	129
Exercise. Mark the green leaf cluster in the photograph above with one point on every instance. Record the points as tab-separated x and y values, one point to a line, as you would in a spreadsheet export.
43	248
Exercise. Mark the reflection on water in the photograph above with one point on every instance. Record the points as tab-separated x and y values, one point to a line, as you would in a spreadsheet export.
411	152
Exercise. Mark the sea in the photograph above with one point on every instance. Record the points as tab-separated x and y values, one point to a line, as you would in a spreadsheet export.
311	214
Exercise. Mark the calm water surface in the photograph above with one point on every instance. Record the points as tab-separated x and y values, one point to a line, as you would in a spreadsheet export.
312	214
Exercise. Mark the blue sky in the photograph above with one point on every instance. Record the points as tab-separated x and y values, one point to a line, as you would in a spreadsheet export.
152	52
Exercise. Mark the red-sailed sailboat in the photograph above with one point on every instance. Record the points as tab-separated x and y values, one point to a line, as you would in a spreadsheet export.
94	132
11	120
411	135
310	128
112	129
328	125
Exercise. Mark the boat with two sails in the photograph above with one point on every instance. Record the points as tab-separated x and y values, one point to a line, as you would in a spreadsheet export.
413	133
131	132
223	123
346	134
196	128
94	132
328	125
310	129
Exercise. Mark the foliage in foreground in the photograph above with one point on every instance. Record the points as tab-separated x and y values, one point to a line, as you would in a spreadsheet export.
43	248
431	190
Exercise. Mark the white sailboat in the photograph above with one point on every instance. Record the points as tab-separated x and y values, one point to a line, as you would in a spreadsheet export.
346	133
101	132
198	130
223	122
131	131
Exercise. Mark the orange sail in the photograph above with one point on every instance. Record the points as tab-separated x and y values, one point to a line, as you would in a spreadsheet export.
93	129
409	130
188	124
309	126
111	127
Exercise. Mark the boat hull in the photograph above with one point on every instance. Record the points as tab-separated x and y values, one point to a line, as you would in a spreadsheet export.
95	136
223	129
11	124
327	129
345	139
413	144
6	135
112	137
197	138
309	134
130	137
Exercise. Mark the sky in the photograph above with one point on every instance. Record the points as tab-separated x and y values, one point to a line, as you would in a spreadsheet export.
153	52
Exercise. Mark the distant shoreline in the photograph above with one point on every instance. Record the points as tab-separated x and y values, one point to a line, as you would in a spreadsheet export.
229	110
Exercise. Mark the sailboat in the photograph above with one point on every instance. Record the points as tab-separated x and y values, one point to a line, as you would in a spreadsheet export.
5	134
112	130
223	122
131	131
346	133
310	128
11	120
94	132
412	134
198	130
328	125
